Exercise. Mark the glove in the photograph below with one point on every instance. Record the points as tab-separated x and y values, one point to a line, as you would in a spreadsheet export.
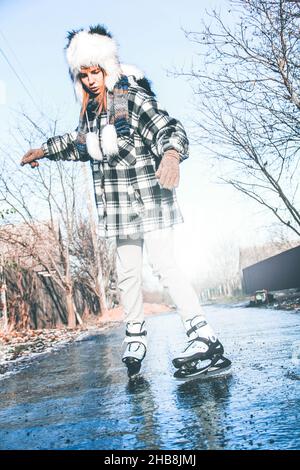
168	170
31	156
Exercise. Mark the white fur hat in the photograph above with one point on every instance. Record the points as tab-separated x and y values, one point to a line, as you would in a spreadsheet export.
95	47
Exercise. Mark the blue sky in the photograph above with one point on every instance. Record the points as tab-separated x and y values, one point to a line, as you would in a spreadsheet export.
151	39
32	35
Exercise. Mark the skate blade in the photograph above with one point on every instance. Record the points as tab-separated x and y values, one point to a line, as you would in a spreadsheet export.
214	368
204	375
182	362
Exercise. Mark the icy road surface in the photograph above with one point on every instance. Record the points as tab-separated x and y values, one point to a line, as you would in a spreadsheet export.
80	397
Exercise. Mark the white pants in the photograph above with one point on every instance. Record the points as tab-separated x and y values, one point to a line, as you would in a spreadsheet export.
160	250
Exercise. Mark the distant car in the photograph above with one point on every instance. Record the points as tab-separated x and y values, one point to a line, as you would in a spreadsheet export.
261	297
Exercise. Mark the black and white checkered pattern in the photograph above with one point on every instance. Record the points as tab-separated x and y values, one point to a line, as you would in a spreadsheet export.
129	198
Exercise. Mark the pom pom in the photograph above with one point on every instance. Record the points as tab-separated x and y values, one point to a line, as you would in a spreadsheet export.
109	140
93	147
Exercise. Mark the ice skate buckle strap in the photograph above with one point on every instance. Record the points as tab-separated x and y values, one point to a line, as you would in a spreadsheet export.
196	327
142	333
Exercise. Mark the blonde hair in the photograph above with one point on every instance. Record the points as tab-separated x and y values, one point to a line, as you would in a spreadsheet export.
101	98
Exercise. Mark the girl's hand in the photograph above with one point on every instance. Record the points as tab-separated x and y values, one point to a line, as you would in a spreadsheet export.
31	156
168	170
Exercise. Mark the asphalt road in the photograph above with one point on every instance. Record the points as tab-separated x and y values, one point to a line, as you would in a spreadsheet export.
80	398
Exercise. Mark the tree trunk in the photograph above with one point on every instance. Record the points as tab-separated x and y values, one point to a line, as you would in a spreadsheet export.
23	306
3	306
102	297
70	308
3	302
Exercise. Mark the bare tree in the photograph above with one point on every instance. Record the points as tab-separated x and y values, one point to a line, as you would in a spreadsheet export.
247	88
88	253
45	218
44	244
224	276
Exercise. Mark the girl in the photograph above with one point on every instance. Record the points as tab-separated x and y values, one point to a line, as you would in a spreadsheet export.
134	148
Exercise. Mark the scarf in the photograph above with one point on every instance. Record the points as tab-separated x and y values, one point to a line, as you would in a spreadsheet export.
88	141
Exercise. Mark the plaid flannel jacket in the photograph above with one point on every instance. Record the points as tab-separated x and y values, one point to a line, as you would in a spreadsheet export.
128	196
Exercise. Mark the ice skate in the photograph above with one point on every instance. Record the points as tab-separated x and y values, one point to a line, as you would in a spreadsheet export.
135	344
203	356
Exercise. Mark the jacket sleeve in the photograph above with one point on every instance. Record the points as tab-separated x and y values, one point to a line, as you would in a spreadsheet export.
159	131
65	147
